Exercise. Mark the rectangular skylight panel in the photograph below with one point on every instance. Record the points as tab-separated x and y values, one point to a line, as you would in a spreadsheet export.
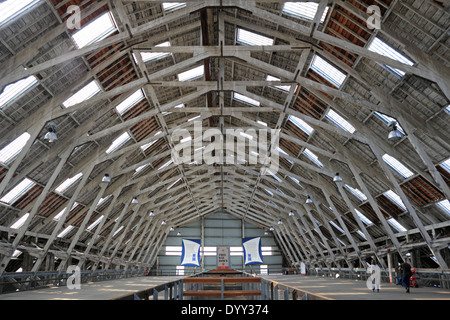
149	56
130	102
302	125
252	39
272	78
88	91
339	121
328	71
117	231
363	218
174	183
68	182
19	190
95	31
446	165
59	215
356	192
391	195
384	49
397	166
336	226
444	205
167	6
396	225
9	152
166	164
245	99
65	232
95	223
20	221
14	90
120	141
361	234
13	8
304	10
312	157
191	74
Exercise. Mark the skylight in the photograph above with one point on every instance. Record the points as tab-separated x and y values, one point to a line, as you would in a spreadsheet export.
363	218
245	99
94	224
388	120
302	125
117	231
166	164
191	74
120	141
337	227
65	232
304	10
339	121
13	148
149	56
130	102
382	48
391	195
272	78
88	91
446	165
396	225
361	234
397	166
59	215
68	182
18	191
14	90
357	193
20	221
444	205
312	157
13	8
95	31
174	183
328	71
252	39
167	6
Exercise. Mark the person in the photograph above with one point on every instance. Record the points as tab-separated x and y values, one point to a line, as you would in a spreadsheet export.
405	268
374	269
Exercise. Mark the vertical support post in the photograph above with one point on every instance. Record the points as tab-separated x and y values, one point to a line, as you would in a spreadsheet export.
221	289
155	294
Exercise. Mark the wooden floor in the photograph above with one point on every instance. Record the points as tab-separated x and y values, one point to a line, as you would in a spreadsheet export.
336	289
345	289
104	290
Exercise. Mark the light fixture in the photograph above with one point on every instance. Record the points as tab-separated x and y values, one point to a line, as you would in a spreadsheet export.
179	233
271	229
151	214
135	200
51	136
337	178
172	229
394	133
291	214
308	200
280	222
106	178
163	222
265	232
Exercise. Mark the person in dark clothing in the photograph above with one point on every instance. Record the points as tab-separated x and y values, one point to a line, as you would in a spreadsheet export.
405	268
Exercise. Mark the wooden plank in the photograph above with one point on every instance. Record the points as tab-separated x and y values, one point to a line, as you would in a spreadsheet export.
217	293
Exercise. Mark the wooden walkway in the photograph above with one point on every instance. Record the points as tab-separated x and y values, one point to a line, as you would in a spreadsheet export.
328	288
346	289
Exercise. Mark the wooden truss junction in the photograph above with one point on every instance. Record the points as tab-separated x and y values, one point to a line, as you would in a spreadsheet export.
337	229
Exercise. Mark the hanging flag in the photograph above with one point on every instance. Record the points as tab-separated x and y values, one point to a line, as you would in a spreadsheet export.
252	250
190	253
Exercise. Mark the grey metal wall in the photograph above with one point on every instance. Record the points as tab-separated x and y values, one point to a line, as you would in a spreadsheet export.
218	230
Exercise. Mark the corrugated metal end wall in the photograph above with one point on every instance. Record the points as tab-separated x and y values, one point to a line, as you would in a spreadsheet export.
218	230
